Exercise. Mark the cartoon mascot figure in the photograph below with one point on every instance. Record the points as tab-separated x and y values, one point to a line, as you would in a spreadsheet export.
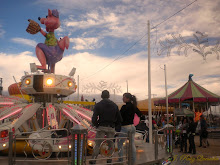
51	51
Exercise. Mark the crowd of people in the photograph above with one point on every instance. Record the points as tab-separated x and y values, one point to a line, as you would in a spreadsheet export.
188	129
108	120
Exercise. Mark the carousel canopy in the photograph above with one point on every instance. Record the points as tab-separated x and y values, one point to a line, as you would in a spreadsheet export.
190	91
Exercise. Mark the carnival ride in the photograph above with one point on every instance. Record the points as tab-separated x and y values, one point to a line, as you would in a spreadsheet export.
43	115
45	111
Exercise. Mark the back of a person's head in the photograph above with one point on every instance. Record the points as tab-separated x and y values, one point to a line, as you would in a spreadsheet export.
128	95
105	94
132	98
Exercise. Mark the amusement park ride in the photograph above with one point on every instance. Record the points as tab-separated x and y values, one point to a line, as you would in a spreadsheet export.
45	111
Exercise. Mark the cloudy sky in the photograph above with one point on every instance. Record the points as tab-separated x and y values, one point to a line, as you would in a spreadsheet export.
108	42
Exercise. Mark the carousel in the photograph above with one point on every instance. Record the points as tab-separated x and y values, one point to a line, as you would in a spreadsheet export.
191	100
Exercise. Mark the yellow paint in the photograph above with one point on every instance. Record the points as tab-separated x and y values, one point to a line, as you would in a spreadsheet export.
27	97
79	102
20	144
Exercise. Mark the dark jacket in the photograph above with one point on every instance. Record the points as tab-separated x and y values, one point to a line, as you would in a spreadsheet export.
192	128
106	113
127	112
203	125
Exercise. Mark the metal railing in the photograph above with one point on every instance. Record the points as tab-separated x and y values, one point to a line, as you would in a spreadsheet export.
41	147
76	146
164	140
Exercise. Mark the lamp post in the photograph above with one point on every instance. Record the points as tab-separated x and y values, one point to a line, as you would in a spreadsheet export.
149	88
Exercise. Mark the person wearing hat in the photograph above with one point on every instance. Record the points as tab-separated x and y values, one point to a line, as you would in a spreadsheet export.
106	118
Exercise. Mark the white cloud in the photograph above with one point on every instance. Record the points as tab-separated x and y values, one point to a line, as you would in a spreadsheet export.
127	20
24	41
132	68
86	43
94	18
14	65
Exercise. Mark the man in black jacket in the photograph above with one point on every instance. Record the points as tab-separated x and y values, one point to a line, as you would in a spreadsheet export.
105	118
191	133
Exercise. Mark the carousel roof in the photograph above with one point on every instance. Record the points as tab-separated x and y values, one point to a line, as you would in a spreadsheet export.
190	91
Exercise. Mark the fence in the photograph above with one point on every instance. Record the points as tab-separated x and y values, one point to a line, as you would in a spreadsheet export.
163	138
75	143
42	143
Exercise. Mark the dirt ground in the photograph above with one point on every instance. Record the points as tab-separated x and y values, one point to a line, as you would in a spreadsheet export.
202	156
212	150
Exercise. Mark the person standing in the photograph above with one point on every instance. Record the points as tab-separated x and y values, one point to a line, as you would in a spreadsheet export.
154	126
191	133
204	132
199	131
106	117
184	135
127	112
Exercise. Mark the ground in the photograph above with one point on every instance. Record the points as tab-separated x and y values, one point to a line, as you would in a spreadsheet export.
203	156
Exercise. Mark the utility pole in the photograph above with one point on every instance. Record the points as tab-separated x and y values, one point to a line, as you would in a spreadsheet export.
78	88
165	73
127	85
1	88
153	100
149	87
114	96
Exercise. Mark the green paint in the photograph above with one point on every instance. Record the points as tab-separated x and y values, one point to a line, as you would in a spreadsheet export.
181	92
195	91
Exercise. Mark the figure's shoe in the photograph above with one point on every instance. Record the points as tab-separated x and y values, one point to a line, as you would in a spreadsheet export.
46	71
41	67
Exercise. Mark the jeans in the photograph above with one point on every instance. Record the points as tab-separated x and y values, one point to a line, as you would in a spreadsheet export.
101	132
183	142
126	129
192	146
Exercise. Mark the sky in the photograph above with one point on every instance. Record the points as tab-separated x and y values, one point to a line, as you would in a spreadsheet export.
109	43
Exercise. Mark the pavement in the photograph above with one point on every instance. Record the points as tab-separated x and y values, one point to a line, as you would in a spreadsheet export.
203	156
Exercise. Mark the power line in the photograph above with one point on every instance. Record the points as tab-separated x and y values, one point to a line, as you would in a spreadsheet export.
174	14
116	58
121	56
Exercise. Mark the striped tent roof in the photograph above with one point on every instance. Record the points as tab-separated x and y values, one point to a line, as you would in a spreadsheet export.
190	91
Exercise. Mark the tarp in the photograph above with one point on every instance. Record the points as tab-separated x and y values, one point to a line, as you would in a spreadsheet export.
190	91
214	110
183	112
